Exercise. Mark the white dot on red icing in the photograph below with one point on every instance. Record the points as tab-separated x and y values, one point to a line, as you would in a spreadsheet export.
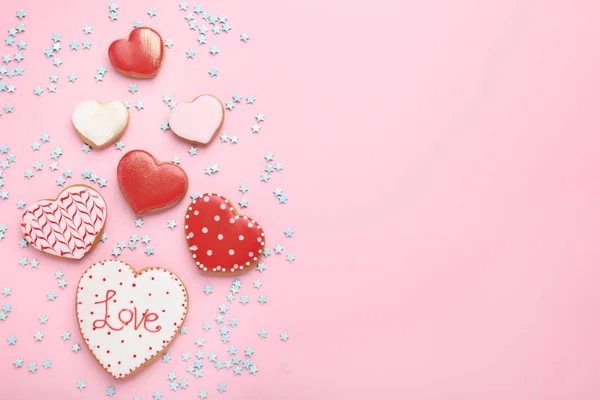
217	218
231	252
235	266
194	248
220	236
204	230
251	254
231	220
196	212
250	225
223	206
258	239
241	237
206	199
218	267
209	252
191	235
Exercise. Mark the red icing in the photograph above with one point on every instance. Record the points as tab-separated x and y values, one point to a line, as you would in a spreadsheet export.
132	316
212	241
140	55
149	185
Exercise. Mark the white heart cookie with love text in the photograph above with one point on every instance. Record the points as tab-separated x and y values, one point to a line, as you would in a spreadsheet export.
128	318
100	124
199	121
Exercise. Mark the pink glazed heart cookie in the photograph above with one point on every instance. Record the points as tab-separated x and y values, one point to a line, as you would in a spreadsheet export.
197	122
128	318
68	226
221	240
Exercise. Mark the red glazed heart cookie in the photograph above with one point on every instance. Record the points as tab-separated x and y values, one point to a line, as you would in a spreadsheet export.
68	226
140	55
127	318
221	240
148	184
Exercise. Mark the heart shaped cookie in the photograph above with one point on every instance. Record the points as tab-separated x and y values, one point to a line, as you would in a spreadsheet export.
221	240
148	184
68	226
140	55
100	124
199	121
127	318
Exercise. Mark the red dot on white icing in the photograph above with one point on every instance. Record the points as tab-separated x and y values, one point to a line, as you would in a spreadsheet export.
223	206
217	218
241	237
209	252
231	252
220	236
204	230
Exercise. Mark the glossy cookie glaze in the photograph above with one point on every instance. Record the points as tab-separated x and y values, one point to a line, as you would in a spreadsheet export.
221	240
100	124
140	55
148	184
68	226
128	318
198	121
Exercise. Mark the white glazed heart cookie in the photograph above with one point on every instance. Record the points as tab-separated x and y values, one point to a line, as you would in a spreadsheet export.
128	318
100	124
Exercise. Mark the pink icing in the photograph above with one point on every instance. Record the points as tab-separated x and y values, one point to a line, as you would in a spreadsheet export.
68	226
197	121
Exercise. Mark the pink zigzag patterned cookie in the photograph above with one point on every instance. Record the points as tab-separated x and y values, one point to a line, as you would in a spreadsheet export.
68	226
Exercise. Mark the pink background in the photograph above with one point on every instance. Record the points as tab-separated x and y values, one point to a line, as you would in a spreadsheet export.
442	172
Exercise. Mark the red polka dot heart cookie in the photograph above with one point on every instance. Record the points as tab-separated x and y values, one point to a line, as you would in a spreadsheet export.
221	240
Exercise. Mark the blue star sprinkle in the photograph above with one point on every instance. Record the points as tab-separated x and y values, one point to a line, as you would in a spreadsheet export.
51	296
222	387
32	367
75	348
262	334
171	224
12	340
87	29
47	364
66	336
133	88
18	363
290	257
244	37
166	358
288	233
283	336
80	385
139	223
110	391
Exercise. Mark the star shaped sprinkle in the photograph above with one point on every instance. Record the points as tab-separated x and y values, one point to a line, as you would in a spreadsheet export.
284	336
139	105
110	391
51	296
244	37
139	222
32	367
80	385
166	358
119	145
190	53
262	334
222	387
290	257
262	299
169	43
12	340
86	44
133	88
157	395
18	363
213	72
75	348
38	337
171	224
243	203
66	336
47	364
250	99
87	29
152	12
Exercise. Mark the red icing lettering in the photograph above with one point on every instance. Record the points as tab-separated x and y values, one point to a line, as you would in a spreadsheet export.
125	316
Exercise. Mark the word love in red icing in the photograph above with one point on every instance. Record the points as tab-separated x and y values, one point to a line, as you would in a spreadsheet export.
125	317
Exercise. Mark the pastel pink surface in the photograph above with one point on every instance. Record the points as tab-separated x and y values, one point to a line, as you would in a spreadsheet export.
441	163
197	121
